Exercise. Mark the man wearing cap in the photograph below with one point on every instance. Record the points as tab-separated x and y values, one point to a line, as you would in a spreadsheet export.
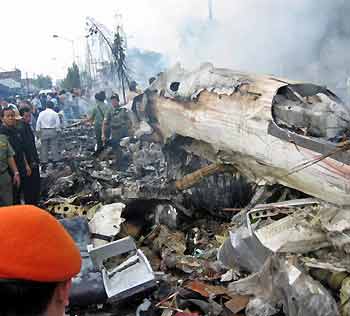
117	121
37	262
97	116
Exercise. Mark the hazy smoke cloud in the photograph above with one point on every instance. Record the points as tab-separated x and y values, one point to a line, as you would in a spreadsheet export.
300	39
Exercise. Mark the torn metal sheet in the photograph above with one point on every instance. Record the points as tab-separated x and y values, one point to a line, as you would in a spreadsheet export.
133	275
284	207
296	233
334	266
107	221
243	250
336	219
280	283
231	113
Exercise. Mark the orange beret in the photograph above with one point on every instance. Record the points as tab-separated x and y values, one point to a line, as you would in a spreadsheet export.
35	246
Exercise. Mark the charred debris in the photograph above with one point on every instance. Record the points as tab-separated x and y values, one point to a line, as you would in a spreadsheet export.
216	207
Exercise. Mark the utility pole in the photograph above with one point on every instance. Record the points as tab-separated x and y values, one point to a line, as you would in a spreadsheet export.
210	8
118	50
27	82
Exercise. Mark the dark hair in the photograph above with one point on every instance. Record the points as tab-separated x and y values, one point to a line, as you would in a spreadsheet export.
50	105
2	113
23	110
25	298
62	92
100	96
115	96
151	80
29	104
132	86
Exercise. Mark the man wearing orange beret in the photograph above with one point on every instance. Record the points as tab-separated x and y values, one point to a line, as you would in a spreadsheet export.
38	259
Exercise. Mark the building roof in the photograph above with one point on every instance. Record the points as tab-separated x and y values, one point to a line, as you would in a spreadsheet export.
10	83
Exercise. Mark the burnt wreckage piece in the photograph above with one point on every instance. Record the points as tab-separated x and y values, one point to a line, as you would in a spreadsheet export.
272	130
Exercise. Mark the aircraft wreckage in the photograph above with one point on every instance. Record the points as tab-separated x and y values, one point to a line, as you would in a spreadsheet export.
271	130
151	236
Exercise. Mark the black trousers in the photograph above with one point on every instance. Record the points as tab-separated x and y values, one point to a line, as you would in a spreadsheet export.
31	187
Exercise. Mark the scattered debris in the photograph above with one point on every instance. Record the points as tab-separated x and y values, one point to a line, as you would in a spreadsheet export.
190	221
237	303
107	221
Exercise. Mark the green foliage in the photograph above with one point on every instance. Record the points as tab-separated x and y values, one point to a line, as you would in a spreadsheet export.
72	79
42	82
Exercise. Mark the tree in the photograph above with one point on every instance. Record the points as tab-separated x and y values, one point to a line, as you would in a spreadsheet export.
42	82
72	79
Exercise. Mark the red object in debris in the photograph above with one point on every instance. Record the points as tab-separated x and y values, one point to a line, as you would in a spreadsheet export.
187	314
205	289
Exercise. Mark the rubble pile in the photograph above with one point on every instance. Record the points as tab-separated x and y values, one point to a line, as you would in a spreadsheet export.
177	232
165	232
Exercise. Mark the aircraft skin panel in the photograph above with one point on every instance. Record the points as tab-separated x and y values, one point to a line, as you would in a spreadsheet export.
238	123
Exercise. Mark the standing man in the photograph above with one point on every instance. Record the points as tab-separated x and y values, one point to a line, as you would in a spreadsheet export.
117	121
7	161
9	129
31	184
48	126
37	262
36	103
97	116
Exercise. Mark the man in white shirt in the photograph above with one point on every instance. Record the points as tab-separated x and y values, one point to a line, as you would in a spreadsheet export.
47	126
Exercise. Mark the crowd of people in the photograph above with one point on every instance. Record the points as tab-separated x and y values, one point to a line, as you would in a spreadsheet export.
22	121
33	284
25	120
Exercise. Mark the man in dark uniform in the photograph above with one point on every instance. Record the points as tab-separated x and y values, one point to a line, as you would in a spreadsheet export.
117	120
8	128
31	184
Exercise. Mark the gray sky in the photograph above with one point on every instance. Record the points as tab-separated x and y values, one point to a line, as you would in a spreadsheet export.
299	39
26	28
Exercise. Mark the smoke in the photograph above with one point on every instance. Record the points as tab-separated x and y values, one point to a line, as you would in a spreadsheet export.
302	39
145	64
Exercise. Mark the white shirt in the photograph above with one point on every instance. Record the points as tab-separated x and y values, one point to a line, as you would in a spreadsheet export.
48	119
